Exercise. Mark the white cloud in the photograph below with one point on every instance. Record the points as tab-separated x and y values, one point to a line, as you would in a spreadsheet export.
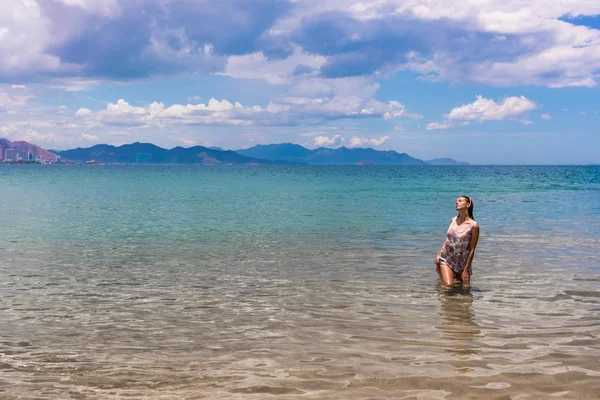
279	71
312	102
82	112
437	125
484	109
313	133
25	40
121	107
18	86
187	141
362	142
516	42
10	101
325	141
34	136
107	8
74	84
546	116
91	138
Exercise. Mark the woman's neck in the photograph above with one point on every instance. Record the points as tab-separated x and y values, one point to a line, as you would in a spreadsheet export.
462	216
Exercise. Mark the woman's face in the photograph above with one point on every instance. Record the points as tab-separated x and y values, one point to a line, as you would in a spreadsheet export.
461	203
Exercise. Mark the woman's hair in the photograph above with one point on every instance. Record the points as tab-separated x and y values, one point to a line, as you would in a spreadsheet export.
470	207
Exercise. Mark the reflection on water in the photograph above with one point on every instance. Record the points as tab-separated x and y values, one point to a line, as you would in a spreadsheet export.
458	316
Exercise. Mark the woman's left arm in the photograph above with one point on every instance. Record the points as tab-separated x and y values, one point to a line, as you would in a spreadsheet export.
466	275
472	245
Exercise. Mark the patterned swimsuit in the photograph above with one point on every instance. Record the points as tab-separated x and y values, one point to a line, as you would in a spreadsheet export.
456	249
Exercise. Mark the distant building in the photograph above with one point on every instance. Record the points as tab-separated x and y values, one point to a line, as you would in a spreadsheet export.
1	153
29	156
10	155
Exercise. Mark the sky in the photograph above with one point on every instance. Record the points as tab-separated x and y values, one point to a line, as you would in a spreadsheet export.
482	81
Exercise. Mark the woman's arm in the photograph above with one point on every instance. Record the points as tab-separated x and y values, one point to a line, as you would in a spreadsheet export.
437	257
473	244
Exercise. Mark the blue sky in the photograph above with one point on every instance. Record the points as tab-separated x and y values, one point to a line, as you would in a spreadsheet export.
488	82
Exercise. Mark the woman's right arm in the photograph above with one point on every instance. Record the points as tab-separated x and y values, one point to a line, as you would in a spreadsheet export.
437	257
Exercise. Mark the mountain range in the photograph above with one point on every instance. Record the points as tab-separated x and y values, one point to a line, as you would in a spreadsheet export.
284	153
325	156
150	153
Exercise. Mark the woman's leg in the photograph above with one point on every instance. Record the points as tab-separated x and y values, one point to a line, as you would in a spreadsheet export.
447	274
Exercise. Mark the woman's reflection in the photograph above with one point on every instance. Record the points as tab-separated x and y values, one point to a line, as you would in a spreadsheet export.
457	320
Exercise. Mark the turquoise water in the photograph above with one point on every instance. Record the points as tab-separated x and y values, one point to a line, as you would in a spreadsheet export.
315	282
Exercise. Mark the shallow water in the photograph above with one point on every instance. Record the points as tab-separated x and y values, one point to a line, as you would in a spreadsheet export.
296	282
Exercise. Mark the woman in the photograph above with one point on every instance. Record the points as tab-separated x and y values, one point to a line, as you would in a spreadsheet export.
456	255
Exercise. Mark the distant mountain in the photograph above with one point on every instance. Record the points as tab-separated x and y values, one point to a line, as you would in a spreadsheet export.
216	148
344	155
149	153
283	151
325	156
23	148
446	161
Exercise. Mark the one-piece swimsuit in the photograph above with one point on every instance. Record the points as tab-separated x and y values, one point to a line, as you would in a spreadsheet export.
455	251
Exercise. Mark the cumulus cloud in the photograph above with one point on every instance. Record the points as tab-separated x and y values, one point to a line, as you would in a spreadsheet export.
187	141
275	71
82	112
484	109
490	42
88	137
367	142
325	141
310	102
34	136
546	116
25	41
281	41
11	101
354	142
132	39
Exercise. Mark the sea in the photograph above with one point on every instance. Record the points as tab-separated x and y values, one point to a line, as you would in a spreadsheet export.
296	282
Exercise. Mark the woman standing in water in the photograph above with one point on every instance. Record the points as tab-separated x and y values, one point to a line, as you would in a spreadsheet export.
456	255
